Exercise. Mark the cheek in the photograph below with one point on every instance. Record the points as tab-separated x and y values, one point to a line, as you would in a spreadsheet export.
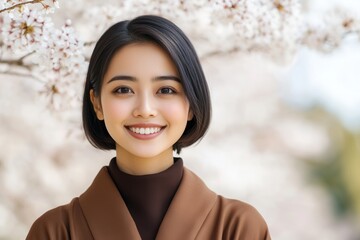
178	111
115	109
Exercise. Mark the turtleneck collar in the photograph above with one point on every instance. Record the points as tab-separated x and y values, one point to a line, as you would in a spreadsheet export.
148	197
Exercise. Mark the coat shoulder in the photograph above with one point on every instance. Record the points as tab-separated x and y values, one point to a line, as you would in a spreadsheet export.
52	224
239	220
239	210
57	223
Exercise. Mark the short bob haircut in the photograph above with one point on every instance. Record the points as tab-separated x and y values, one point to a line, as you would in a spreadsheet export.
168	36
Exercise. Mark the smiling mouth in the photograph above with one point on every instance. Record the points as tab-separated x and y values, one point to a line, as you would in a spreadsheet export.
145	131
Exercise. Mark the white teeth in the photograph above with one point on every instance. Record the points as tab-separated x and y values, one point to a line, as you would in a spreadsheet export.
145	131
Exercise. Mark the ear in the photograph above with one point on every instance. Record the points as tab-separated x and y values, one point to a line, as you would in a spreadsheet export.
96	105
190	115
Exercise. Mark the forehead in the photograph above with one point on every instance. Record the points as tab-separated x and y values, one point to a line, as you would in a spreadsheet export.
141	58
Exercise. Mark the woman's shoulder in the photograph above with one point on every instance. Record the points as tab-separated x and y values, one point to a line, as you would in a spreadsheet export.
237	208
234	208
54	222
227	218
240	220
227	207
58	223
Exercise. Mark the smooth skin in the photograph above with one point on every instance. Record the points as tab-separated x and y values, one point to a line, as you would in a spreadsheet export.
145	109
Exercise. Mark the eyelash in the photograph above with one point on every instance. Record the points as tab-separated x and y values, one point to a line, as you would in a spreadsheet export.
117	90
172	90
129	90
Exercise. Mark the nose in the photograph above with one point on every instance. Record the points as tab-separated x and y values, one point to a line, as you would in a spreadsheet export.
145	106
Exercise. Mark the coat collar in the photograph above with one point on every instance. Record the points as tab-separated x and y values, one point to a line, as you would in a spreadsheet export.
105	211
109	218
188	210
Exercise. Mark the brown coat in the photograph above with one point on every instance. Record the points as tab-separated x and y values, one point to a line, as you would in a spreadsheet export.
195	213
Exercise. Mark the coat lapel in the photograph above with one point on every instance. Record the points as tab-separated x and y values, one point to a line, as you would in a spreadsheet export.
188	210
106	212
108	217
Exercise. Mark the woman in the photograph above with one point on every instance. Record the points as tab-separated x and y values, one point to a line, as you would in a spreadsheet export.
146	96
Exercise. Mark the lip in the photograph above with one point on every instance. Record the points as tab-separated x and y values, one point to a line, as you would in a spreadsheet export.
145	125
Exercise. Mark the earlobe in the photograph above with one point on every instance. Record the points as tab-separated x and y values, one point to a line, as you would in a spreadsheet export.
96	105
190	115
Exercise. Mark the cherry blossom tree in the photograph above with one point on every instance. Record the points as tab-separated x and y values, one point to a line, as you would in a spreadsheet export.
49	43
33	45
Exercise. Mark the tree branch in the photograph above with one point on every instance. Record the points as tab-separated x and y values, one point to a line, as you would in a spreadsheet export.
86	44
20	4
218	52
13	73
25	56
18	62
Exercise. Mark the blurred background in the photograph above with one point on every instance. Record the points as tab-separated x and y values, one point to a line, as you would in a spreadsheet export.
285	133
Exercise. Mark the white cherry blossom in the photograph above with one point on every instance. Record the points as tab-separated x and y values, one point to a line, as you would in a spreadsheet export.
26	30
275	28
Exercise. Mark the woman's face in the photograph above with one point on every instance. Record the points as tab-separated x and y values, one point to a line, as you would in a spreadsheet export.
143	102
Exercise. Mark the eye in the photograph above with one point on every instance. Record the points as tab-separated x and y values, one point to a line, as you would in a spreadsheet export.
123	90
167	90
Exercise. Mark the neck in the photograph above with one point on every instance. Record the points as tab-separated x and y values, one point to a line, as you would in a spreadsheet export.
136	165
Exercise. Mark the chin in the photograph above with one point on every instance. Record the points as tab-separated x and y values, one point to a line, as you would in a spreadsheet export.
147	154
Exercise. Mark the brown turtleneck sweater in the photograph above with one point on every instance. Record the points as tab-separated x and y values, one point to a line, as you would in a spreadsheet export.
148	197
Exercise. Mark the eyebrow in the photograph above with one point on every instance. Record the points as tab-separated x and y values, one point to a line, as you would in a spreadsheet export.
134	79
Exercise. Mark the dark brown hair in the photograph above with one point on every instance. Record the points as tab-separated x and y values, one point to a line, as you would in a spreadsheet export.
167	35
